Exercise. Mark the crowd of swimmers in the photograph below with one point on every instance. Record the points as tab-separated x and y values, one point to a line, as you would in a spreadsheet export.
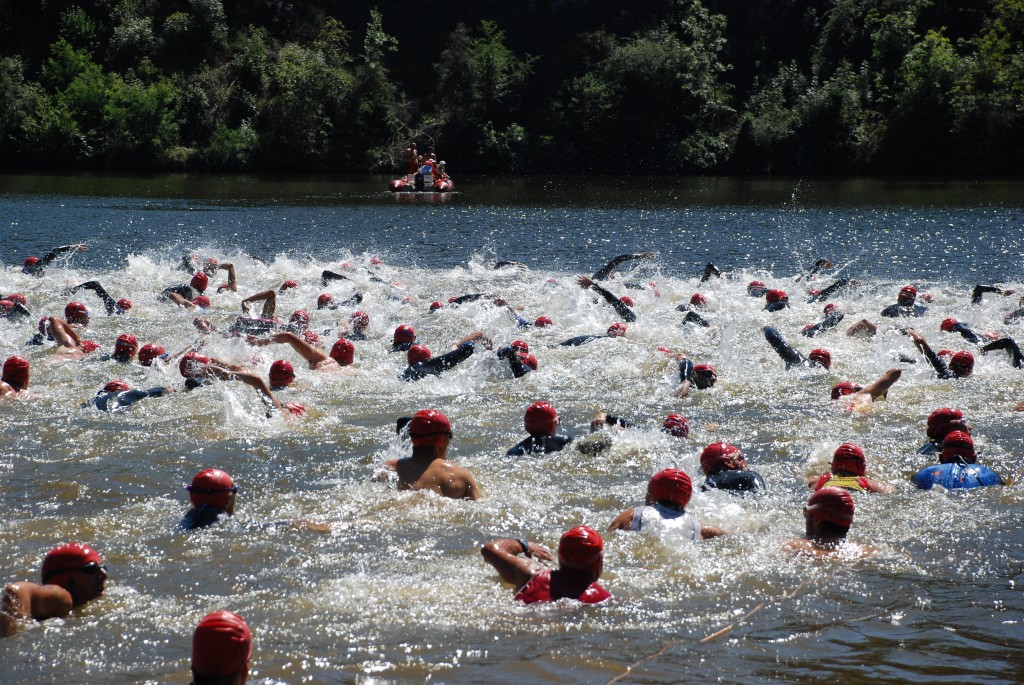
73	573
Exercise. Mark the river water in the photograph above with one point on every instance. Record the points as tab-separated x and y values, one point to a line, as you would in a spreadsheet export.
398	592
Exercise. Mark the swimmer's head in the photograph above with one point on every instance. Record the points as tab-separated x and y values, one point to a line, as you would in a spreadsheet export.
62	564
125	347
845	388
948	325
543	322
199	281
311	337
616	330
831	308
520	346
676	425
528	360
32	261
776	296
16	372
300	319
287	285
149	352
944	421
435	305
116	386
6	306
201	301
698	301
192	364
343	351
359	321
323	301
756	288
832	505
417	353
962	363
581	548
704	376
221	646
670	487
849	458
76	312
210	265
540	419
124	304
17	297
430	428
404	334
958	446
820	356
721	456
627	300
282	373
212	487
908	294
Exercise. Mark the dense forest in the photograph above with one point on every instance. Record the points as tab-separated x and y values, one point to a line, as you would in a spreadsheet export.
539	86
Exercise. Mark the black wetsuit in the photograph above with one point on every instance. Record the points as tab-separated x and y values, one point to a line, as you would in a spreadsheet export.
540	444
108	302
1013	316
827	292
694	317
970	336
203	516
436	365
786	351
938	364
252	326
735	481
580	340
608	268
1010	345
895	311
183	289
621	307
710	270
776	306
17	311
38	268
118	401
830	321
515	362
980	290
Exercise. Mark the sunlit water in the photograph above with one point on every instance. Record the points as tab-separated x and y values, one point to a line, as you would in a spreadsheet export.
398	592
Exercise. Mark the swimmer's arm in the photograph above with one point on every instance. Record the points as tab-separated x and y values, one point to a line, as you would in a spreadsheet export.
503	553
607	269
386	471
41	602
328	276
57	251
822	263
472	490
881	386
474	337
267	297
980	290
181	301
621	308
232	281
781	347
880	487
622	521
708	532
710	270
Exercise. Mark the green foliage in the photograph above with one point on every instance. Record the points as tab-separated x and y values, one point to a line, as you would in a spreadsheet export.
231	148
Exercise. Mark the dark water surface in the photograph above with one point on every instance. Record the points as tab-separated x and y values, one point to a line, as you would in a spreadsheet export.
398	592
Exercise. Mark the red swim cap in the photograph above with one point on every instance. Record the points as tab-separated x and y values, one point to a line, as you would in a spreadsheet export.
908	294
89	346
956	446
677	425
849	457
116	386
962	363
580	548
945	420
311	337
125	304
66	559
698	300
202	301
821	356
776	296
704	376
17	297
616	330
31	261
282	373
76	312
16	372
300	317
834	505
221	645
44	324
435	305
212	487
716	455
404	334
520	346
529	360
626	300
831	307
323	300
6	306
948	324
287	285
199	281
125	346
670	485
429	427
756	288
149	352
540	419
343	351
417	353
359	320
845	388
376	261
543	321
192	365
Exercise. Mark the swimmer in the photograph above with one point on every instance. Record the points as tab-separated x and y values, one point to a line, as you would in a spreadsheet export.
519	359
664	510
221	650
960	365
857	395
980	290
212	494
150	352
726	468
13	307
187	291
342	353
621	307
404	337
756	288
73	574
541	422
580	562
14	381
776	300
699	376
606	270
848	471
269	307
427	468
326	301
941	423
192	263
422	364
199	370
833	317
35	266
817	358
951	325
69	345
117	396
832	288
828	516
616	330
113	307
905	304
76	313
1011	347
957	468
125	348
710	270
355	327
694	317
820	264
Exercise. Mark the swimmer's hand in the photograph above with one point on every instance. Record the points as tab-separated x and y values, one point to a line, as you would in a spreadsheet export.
584	281
598	422
539	552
